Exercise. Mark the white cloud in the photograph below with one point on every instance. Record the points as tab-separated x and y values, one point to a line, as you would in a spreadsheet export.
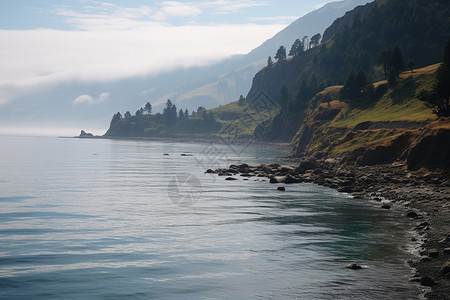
177	9
114	17
84	99
145	92
111	18
227	6
87	99
111	42
41	58
103	97
276	19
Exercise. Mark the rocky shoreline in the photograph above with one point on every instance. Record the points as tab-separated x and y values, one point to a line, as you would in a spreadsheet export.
425	196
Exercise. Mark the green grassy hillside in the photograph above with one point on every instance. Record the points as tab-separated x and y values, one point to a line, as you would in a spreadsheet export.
397	104
336	127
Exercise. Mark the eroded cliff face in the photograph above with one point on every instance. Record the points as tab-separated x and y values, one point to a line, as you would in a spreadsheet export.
431	149
416	144
417	140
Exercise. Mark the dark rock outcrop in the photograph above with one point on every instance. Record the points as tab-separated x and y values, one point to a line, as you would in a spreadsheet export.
431	149
381	154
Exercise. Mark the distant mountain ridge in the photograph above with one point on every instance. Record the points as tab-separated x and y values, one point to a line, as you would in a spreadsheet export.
314	22
230	85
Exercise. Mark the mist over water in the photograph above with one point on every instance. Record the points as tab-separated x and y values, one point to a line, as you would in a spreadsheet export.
96	219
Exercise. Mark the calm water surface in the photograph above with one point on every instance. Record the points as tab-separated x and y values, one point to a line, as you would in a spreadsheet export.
96	219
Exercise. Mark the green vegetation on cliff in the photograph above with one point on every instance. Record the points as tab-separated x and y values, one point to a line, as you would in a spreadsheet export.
398	108
399	103
415	30
235	119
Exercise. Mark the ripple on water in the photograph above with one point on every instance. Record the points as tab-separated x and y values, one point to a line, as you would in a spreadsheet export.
102	227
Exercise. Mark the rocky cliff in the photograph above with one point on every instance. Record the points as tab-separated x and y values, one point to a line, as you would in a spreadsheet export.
353	42
382	133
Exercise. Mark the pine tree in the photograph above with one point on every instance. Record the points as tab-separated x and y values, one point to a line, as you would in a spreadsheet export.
148	108
315	40
396	65
384	59
241	100
281	54
439	97
116	118
297	48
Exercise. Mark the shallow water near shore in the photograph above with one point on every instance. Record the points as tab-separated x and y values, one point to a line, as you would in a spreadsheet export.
116	219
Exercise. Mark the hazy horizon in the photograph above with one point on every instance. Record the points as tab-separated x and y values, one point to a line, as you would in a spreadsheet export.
49	45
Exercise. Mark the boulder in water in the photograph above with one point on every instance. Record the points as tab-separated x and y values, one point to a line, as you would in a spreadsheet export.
230	179
354	267
274	180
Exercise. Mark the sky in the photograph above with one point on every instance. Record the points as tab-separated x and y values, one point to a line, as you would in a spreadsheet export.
48	42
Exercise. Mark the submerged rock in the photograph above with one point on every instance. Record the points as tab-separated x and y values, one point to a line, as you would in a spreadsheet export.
354	267
411	214
281	188
230	179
